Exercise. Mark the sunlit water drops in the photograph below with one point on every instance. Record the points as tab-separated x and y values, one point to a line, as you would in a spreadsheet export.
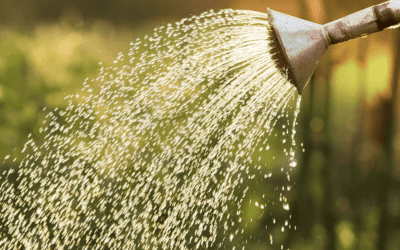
149	153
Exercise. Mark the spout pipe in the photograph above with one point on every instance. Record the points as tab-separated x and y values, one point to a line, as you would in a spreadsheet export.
303	43
364	22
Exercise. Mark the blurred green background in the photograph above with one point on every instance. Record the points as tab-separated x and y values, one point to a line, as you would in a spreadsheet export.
347	192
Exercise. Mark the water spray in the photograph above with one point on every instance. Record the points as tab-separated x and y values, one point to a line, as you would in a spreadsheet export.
304	42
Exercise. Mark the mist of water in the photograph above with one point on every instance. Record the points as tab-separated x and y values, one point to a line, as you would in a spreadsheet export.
150	154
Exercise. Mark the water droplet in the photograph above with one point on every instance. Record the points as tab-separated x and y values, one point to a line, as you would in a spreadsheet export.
142	146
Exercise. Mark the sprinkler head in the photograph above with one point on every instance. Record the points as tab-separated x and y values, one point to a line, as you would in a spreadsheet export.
304	43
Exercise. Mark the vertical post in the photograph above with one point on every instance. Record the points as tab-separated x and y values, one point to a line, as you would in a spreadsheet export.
357	140
303	215
327	207
386	179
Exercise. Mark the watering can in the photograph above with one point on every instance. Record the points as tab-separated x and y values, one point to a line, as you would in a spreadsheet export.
304	43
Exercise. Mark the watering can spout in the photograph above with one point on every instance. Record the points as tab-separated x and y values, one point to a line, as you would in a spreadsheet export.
304	43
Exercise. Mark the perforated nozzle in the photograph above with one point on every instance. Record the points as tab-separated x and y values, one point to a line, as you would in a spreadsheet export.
304	43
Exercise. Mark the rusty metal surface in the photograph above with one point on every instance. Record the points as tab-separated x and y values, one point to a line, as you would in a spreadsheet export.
364	22
388	14
303	42
352	26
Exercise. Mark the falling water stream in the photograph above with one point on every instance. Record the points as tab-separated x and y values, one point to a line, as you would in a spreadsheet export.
150	154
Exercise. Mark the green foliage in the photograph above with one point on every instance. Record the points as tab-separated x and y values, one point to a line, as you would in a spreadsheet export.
37	72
